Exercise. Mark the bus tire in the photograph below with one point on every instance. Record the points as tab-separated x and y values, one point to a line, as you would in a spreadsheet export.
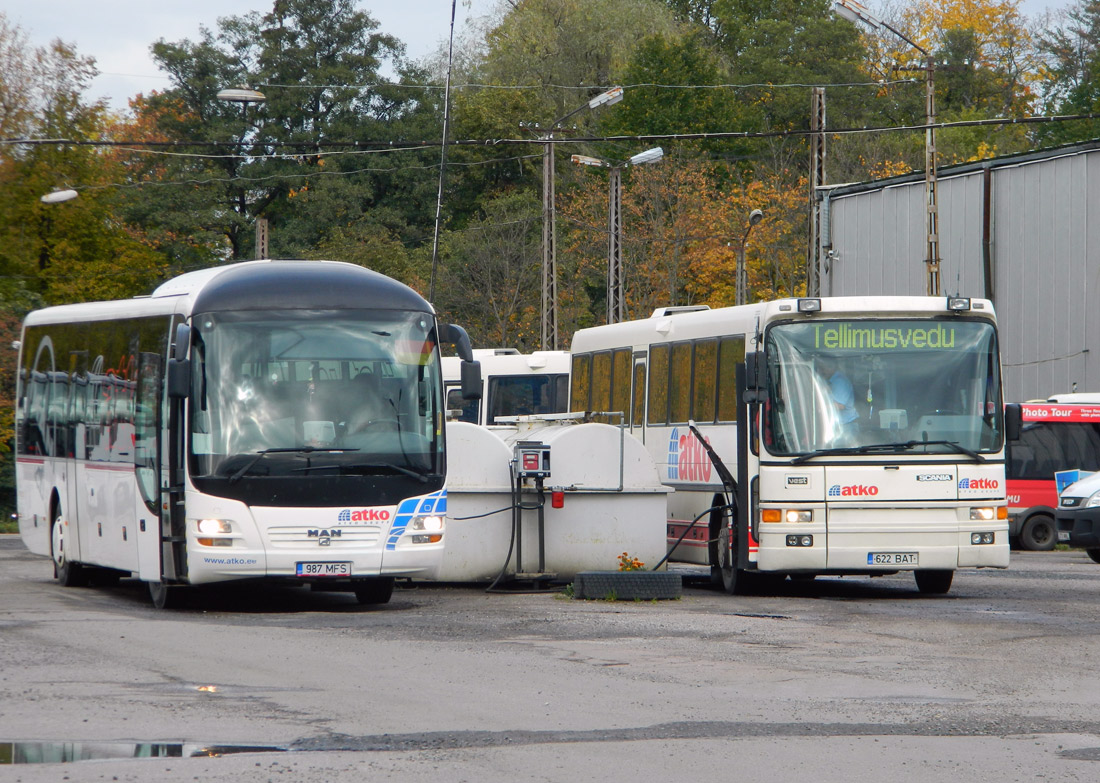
374	591
733	580
67	572
163	596
934	581
1038	533
1094	555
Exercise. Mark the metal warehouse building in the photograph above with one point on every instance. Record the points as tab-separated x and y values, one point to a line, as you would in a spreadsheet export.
1018	230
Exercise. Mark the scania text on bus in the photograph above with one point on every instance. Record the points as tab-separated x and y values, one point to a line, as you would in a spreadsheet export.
268	419
861	435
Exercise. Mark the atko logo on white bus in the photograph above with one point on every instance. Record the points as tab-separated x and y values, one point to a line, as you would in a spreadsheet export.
853	491
687	459
978	483
363	515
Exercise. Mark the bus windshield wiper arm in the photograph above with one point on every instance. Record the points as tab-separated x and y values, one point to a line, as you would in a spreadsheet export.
872	447
825	453
259	455
953	444
366	466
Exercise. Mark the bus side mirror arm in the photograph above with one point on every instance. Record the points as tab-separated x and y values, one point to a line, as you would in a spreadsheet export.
179	366
753	392
469	369
1014	421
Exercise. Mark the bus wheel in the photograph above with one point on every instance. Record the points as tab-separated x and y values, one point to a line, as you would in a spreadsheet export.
1094	554
732	579
934	582
67	572
163	596
1038	533
374	591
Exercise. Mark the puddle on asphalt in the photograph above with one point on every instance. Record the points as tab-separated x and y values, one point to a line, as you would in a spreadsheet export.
60	752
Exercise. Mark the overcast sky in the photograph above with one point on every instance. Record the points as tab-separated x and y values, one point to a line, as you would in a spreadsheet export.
118	33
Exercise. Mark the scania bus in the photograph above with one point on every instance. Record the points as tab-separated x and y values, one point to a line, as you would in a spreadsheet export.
862	435
514	384
1054	437
260	420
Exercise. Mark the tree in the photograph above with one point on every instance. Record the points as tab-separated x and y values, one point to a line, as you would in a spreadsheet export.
493	273
1070	81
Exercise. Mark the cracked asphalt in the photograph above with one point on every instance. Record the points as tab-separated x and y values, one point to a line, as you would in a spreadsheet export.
829	680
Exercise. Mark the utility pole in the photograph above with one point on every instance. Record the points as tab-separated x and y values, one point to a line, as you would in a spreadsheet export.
549	329
854	12
817	179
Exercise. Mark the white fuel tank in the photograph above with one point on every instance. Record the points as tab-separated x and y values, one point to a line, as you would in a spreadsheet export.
612	501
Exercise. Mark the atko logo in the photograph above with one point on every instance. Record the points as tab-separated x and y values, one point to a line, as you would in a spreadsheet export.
853	491
364	515
687	459
982	483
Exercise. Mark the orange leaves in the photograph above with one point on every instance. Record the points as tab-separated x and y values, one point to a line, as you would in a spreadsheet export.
683	222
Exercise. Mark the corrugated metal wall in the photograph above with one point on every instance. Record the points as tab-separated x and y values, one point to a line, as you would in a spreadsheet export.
1044	257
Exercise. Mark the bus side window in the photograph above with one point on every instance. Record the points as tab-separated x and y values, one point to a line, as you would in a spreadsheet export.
680	386
731	352
657	402
638	400
704	370
620	384
580	392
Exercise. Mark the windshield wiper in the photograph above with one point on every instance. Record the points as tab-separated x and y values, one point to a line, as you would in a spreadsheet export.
869	448
825	453
953	444
259	455
420	476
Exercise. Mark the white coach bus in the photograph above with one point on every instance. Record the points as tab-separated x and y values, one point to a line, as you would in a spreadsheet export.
514	384
267	419
859	435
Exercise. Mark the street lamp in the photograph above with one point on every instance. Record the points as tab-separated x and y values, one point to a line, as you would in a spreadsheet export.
245	96
742	276
549	232
58	196
854	12
616	301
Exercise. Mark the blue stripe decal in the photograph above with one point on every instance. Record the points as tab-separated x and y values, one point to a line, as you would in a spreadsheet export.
435	503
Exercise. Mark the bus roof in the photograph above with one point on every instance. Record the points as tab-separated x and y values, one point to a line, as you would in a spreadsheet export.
254	285
510	362
668	324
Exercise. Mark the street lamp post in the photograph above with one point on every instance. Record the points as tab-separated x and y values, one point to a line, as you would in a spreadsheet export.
245	96
616	301
549	331
742	275
854	12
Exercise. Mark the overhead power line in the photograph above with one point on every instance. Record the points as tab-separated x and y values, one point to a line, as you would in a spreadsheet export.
413	146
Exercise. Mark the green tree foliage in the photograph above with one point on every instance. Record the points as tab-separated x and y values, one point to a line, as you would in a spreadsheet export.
306	159
1070	80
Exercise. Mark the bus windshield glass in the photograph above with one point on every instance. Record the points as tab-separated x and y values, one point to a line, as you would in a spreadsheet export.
882	386
313	393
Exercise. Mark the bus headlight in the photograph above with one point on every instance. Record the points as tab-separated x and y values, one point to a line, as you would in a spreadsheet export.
981	538
432	527
208	528
211	527
982	514
431	523
796	515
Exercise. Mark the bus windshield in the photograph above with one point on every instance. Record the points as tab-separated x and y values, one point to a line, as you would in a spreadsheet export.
313	393
867	386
